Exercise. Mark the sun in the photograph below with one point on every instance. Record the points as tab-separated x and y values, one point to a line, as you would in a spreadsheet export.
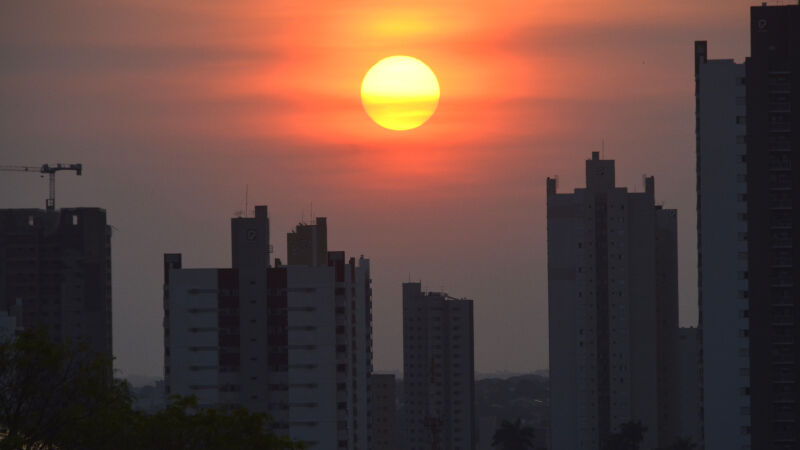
400	93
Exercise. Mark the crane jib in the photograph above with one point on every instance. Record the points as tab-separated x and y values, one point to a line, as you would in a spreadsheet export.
50	170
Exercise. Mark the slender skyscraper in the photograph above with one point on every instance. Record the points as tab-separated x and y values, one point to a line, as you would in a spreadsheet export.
773	167
294	341
722	251
55	272
438	371
613	312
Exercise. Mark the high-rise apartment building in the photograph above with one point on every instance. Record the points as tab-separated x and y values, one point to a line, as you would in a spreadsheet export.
55	273
722	250
294	341
383	418
773	149
747	161
690	425
438	371
613	312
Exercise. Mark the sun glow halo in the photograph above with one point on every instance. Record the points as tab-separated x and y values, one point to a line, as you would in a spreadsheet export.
400	93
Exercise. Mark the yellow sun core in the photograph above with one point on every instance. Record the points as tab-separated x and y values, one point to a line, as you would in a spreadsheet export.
400	93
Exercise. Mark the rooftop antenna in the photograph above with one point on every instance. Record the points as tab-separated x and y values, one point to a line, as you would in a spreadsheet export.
603	148
311	207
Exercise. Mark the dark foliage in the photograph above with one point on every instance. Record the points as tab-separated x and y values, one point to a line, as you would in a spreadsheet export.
513	436
682	444
629	437
523	396
56	396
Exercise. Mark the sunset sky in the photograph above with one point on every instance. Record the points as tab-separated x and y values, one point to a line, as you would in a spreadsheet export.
174	107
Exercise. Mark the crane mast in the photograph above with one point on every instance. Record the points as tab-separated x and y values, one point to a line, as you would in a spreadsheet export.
50	170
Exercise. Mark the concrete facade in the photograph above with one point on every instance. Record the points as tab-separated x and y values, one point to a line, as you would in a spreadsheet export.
773	168
55	272
690	426
383	395
438	371
294	341
722	251
612	286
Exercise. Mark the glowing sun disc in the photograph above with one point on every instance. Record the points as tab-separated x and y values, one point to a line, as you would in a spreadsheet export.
400	93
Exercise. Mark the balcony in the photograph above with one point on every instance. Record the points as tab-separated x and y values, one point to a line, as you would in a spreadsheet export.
784	321
780	203
784	378
778	166
779	85
782	359
780	127
781	243
779	107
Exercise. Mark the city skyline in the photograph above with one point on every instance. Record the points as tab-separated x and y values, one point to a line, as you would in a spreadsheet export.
436	213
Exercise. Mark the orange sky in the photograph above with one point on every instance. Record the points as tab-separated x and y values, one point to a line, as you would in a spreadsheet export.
173	107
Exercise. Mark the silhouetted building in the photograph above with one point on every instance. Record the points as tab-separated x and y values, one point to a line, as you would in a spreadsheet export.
438	371
308	244
722	250
773	149
293	341
383	412
8	326
150	398
55	272
763	310
613	312
690	426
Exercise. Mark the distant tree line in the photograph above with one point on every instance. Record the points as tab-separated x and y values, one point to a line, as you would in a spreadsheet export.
631	434
59	397
517	436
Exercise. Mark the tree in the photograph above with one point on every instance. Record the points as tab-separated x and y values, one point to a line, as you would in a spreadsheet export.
184	425
682	444
50	394
58	396
629	437
513	436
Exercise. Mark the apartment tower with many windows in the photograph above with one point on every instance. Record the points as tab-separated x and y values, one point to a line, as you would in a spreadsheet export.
613	312
294	341
438	371
55	273
723	325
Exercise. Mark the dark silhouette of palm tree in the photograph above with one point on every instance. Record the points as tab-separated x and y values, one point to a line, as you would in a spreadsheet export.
513	436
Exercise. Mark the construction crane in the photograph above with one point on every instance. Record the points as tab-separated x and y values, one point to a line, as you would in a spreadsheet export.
51	171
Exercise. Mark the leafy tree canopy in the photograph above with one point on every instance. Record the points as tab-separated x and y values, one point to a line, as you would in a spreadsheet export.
59	396
629	437
513	436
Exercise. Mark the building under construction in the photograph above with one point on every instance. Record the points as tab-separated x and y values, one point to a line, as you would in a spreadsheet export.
55	268
55	272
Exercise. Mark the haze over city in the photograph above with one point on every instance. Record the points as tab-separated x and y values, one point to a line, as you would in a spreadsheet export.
178	110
